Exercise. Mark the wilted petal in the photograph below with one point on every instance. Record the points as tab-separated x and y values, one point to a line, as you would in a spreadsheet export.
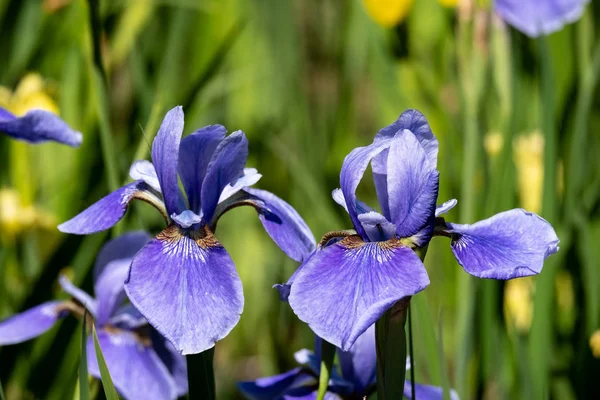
359	364
226	166
165	154
110	289
121	247
412	185
275	387
535	17
427	392
354	282
38	126
508	245
250	177
173	360
187	289
106	212
81	296
378	228
144	170
195	153
31	323
285	226
444	208
135	369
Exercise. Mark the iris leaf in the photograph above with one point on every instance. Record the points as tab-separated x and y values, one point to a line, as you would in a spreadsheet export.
107	384
84	386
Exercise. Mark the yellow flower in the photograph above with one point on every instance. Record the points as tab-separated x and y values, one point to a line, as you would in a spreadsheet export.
449	3
528	154
31	94
493	143
518	304
16	217
595	343
388	13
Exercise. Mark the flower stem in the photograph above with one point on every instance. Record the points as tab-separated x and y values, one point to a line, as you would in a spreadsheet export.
201	376
327	356
412	355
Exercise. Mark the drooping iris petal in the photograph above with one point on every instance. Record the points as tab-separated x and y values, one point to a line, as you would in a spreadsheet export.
109	289
285	226
38	126
445	207
347	286
136	370
427	392
173	360
412	185
378	228
188	289
144	170
359	364
106	212
226	166
195	153
275	387
508	245
535	18
165	154
85	299
353	169
186	219
31	323
250	177
121	247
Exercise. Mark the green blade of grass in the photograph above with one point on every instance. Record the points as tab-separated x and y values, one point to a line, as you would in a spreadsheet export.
84	386
107	383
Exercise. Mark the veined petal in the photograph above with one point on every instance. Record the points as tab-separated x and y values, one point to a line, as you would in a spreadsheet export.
359	364
187	288
412	185
508	245
285	226
121	247
275	387
535	18
31	323
144	170
353	169
427	392
110	289
173	360
445	207
165	155
195	153
136	370
226	166
250	177
85	299
109	210
354	282
38	126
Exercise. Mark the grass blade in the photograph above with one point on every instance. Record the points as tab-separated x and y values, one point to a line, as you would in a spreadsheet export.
107	384
84	386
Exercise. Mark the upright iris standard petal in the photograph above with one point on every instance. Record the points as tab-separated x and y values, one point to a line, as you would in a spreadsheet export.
109	289
508	245
165	151
85	299
38	126
285	226
276	387
187	288
226	166
195	153
379	165
359	364
122	247
540	17
106	212
346	287
353	169
135	369
31	323
412	184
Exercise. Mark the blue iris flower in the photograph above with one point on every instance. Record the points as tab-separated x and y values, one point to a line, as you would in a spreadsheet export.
183	281
355	379
38	126
353	277
142	363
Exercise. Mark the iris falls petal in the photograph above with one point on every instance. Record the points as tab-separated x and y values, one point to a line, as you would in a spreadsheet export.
38	126
31	323
109	289
187	288
121	247
359	363
508	245
347	286
274	387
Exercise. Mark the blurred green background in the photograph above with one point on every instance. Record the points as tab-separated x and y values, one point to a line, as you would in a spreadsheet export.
307	81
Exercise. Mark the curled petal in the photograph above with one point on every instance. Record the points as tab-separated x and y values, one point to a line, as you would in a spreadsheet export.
38	126
195	153
354	282
165	154
445	207
250	177
85	299
109	210
427	392
136	370
121	247
31	323
187	288
508	245
144	170
276	387
359	364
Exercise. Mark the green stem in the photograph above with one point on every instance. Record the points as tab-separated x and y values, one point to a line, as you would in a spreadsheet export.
201	375
412	355
327	356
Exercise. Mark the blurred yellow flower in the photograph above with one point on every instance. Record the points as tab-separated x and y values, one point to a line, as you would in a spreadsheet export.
493	142
388	13
29	94
518	304
16	217
449	3
595	343
528	154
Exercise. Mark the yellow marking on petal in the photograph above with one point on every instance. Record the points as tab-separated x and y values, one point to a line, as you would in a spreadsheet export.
388	13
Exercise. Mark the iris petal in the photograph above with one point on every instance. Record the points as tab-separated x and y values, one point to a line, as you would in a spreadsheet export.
109	289
144	170
445	207
81	296
30	324
508	245
359	364
275	387
188	289
427	392
173	360
250	177
346	287
136	370
38	126
123	246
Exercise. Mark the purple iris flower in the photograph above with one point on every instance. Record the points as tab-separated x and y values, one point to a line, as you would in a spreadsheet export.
539	17
183	281
38	126
354	277
355	379
142	363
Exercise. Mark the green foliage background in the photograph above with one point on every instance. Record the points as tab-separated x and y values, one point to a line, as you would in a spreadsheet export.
308	81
